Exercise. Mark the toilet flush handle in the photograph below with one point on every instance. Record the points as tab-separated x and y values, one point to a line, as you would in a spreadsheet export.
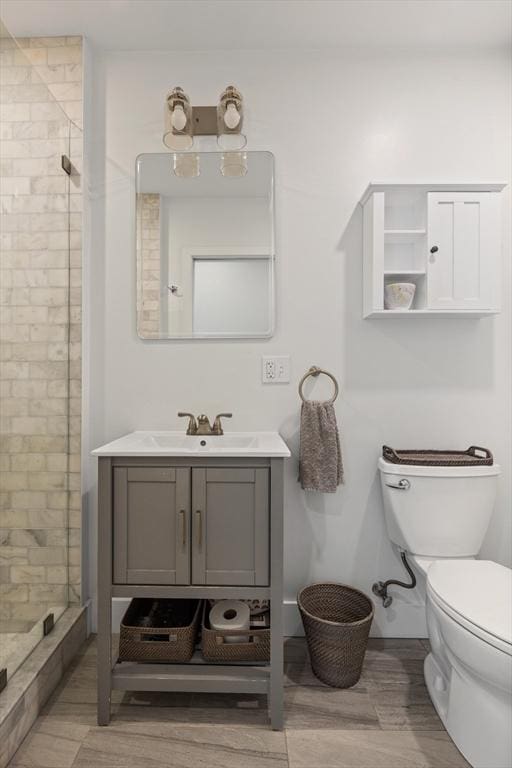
402	485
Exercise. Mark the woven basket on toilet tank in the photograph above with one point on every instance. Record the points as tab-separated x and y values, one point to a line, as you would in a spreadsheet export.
473	456
337	621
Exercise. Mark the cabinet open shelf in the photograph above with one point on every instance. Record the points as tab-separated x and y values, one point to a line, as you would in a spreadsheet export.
405	232
398	272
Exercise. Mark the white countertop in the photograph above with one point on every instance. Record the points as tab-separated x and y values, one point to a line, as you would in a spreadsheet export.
231	444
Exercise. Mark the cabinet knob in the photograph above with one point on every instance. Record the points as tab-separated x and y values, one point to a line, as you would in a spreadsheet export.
434	249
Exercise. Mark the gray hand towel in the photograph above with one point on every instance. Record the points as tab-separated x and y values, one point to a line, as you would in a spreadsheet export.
320	467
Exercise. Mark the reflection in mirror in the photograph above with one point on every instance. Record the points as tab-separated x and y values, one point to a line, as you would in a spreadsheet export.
205	246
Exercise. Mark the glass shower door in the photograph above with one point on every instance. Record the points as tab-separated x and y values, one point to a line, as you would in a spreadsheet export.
35	309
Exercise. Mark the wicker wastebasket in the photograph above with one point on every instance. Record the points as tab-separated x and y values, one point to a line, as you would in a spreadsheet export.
337	621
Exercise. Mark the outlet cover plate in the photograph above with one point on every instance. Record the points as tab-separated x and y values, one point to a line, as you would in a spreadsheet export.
275	369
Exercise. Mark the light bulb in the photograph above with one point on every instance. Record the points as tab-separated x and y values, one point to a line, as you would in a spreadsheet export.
178	118
231	116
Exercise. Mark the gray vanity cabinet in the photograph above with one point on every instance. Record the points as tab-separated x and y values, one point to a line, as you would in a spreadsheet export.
151	525
177	525
230	526
208	528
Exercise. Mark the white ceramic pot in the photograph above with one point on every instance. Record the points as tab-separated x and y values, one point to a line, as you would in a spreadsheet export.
399	295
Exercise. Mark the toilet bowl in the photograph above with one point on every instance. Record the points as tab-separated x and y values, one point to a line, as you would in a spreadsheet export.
469	670
439	517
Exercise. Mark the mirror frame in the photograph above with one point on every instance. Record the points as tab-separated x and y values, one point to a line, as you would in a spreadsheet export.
272	257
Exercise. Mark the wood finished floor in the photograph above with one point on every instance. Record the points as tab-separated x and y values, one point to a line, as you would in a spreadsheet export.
385	721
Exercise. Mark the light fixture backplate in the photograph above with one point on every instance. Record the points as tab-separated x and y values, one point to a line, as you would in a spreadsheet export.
204	121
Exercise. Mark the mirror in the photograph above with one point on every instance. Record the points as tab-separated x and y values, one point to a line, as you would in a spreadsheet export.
205	245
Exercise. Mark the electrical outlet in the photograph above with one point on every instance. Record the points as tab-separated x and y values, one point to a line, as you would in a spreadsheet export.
275	370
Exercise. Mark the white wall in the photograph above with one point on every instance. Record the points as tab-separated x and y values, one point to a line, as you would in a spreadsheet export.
429	382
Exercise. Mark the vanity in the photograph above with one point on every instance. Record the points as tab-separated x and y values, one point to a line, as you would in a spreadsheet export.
190	516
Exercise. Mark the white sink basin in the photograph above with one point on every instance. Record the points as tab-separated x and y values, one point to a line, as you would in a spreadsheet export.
178	444
198	443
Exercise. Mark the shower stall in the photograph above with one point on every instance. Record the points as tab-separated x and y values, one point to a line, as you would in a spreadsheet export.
40	348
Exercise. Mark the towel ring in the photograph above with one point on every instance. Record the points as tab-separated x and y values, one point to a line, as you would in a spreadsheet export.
315	371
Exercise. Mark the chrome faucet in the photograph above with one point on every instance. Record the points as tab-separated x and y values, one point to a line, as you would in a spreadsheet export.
202	425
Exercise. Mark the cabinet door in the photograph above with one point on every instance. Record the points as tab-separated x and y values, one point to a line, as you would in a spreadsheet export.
465	229
151	525
230	526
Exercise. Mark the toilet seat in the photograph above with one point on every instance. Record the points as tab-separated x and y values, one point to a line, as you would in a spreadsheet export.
477	594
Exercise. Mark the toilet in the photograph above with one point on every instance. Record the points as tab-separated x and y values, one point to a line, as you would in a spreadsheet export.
438	516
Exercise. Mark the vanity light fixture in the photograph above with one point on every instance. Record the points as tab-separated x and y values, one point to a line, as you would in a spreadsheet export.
230	118
178	129
182	121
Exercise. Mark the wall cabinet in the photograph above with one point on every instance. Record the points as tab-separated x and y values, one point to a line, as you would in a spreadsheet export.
445	238
178	525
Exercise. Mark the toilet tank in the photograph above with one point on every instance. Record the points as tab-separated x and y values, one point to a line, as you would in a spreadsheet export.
438	511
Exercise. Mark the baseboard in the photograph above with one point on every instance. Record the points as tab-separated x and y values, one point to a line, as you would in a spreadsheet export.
292	623
119	606
29	688
403	620
407	620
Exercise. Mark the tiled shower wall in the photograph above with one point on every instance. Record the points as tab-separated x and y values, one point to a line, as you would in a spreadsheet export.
40	325
148	264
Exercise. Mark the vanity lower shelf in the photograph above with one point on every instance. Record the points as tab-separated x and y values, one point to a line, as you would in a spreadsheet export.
196	676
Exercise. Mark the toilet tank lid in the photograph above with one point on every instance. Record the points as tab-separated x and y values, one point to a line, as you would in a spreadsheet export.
479	591
419	470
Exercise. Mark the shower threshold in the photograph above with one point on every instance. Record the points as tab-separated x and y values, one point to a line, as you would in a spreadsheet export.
31	685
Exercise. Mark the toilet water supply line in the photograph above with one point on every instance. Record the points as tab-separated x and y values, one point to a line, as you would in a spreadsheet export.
380	588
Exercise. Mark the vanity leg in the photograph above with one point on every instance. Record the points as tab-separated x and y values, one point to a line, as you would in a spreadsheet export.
276	678
276	690
104	589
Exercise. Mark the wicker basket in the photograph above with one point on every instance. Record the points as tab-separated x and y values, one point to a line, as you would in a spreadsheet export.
152	644
439	458
215	648
337	622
